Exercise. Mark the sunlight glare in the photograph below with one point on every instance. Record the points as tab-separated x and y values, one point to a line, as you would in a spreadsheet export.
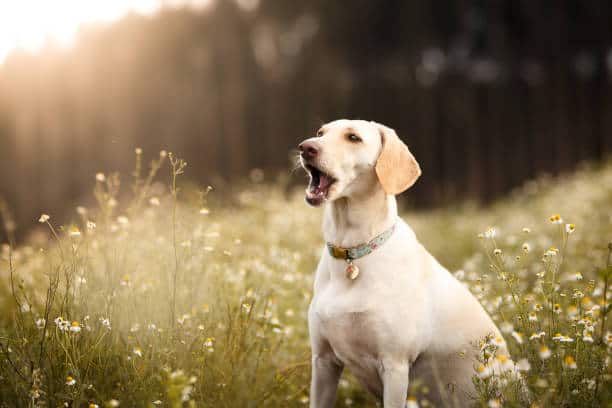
29	25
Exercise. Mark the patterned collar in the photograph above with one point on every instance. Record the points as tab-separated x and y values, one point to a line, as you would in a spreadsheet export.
358	251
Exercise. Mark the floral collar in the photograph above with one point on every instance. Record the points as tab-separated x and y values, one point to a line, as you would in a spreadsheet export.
356	252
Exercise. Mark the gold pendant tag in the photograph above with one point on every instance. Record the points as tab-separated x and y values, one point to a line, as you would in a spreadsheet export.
352	271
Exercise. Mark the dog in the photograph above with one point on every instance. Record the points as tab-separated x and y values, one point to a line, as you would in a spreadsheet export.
382	306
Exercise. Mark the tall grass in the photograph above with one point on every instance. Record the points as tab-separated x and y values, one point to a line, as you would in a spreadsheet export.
164	298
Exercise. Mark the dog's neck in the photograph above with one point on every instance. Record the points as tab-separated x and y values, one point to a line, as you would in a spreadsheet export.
354	220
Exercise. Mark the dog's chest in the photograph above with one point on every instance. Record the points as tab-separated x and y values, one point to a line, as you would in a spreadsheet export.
361	328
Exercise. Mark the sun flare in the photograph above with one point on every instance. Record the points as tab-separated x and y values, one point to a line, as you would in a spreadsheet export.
30	25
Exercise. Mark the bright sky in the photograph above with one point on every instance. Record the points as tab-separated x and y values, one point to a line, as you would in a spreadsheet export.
31	24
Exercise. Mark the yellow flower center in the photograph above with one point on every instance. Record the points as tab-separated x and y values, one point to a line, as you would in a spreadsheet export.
502	359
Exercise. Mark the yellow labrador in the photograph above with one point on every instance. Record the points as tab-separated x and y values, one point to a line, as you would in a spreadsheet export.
383	306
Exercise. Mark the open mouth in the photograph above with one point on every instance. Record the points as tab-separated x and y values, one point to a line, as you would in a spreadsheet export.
320	183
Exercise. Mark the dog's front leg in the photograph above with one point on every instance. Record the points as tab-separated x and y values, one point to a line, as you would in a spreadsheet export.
324	384
394	375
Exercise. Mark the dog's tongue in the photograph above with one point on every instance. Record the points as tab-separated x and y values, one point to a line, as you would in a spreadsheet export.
324	182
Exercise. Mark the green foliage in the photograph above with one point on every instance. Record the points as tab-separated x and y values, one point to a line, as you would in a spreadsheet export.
159	300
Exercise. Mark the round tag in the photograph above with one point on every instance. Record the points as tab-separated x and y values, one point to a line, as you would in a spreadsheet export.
352	271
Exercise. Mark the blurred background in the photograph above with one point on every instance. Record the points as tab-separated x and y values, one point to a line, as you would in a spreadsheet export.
487	94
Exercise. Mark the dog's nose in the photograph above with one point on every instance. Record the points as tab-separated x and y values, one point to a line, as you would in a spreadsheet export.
309	149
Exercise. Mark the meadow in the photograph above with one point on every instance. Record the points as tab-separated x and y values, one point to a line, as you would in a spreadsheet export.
164	294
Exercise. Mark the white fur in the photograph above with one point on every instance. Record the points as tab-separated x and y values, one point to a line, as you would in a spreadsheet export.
405	316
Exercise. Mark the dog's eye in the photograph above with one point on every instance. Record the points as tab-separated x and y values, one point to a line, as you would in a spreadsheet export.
353	138
319	133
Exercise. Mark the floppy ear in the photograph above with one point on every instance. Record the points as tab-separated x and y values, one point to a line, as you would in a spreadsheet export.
396	168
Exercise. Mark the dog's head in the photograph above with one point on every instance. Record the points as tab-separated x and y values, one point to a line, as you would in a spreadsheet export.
348	156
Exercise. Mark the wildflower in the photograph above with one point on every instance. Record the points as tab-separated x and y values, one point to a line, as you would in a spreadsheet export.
176	374
490	232
75	327
587	337
113	403
138	151
411	402
569	228
578	294
584	321
151	326
497	341
70	381
569	362
533	316
552	251
92	405
156	402
484	371
542	383
494	403
504	362
246	307
43	218
81	210
526	230
204	211
40	323
112	202
608	338
572	310
518	337
538	307
123	220
586	302
544	352
557	308
62	324
304	399
91	225
154	201
209	344
125	281
135	327
526	248
562	338
74	232
163	153
137	351
100	177
555	219
205	308
497	252
105	322
523	365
